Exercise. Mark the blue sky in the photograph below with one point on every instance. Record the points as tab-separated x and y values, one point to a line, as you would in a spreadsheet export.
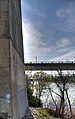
48	30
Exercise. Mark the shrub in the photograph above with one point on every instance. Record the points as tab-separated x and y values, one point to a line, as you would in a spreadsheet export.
32	100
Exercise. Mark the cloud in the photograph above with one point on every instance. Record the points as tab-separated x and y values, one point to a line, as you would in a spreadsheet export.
61	45
67	16
35	46
32	39
70	55
34	8
63	42
63	50
45	37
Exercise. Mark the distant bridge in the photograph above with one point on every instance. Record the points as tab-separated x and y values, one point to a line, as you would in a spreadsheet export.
50	66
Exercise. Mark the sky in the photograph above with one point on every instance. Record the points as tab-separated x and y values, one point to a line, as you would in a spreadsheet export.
48	30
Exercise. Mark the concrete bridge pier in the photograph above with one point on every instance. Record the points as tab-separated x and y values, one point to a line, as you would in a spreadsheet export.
13	95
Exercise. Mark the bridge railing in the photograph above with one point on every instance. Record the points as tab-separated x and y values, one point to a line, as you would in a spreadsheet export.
29	62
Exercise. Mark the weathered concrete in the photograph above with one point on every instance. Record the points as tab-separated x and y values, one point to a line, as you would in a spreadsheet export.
13	95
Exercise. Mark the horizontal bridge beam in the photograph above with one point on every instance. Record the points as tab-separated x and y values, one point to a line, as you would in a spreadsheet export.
50	66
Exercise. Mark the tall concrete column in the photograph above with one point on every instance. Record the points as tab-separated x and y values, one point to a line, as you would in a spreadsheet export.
13	95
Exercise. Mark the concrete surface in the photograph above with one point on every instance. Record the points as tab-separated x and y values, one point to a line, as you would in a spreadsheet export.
13	95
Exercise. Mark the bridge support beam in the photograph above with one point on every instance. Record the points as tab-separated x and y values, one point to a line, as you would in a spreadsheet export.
50	66
13	95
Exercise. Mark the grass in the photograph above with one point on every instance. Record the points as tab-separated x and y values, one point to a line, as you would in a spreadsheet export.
53	117
42	112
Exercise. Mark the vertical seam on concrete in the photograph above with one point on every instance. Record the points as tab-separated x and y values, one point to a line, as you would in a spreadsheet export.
10	62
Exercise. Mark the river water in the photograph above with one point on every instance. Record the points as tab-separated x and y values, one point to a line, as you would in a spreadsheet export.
47	100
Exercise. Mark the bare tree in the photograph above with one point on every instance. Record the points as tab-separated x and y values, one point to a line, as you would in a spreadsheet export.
61	82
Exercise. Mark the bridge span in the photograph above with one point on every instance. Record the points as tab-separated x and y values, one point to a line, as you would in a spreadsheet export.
50	66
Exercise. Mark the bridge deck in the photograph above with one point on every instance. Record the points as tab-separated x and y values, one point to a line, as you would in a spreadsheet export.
50	66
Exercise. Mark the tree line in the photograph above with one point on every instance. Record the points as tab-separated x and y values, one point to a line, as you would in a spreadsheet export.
41	83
